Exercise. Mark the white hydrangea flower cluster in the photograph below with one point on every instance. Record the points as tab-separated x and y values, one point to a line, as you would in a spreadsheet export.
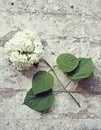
24	49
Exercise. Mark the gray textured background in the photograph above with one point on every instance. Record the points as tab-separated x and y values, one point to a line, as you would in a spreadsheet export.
72	26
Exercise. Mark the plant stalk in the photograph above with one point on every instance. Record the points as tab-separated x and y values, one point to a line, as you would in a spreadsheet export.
61	83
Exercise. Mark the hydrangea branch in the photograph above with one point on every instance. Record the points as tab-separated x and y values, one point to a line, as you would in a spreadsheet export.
43	60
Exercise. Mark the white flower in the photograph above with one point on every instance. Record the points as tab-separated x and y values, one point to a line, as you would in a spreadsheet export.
24	49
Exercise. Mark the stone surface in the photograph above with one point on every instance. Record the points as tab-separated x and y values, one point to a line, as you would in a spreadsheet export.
72	26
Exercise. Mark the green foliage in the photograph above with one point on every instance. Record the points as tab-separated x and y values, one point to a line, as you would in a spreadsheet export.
67	62
84	69
38	102
40	97
76	68
42	81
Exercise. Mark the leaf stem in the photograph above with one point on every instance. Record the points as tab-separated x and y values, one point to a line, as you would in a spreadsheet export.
61	82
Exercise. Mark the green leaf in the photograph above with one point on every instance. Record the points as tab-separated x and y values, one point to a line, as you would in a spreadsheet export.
39	103
42	81
84	69
67	62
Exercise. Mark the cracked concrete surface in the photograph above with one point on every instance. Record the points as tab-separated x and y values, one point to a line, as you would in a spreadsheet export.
72	26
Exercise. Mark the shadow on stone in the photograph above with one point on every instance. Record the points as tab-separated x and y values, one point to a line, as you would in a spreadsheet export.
29	73
89	86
